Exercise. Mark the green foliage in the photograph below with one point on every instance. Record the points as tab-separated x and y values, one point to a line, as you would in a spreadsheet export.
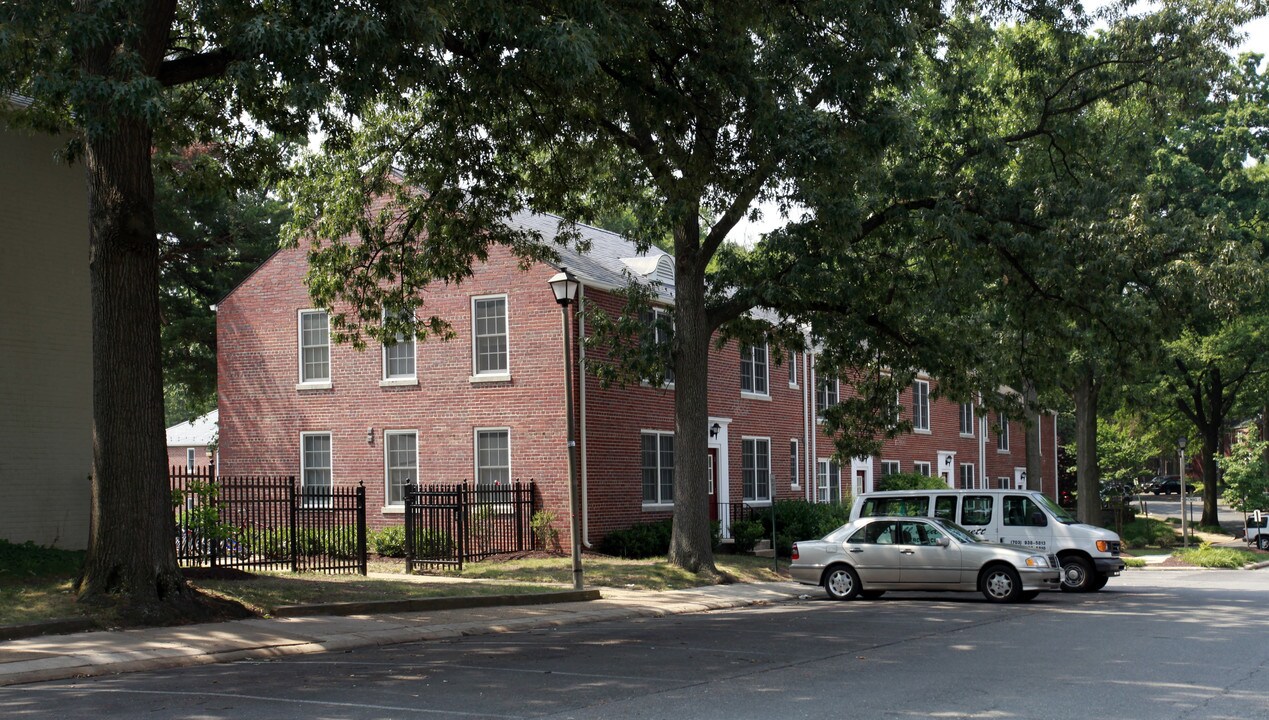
747	533
1134	562
910	481
802	520
544	532
388	541
1126	448
1148	532
31	560
1246	474
1213	557
639	541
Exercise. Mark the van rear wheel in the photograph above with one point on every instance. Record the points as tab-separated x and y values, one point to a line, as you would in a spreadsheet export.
1262	542
1077	574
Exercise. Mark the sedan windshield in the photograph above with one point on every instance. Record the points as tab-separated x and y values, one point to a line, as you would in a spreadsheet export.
955	530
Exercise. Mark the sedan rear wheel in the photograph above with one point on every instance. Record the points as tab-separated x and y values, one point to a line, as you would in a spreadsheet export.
1000	583
841	582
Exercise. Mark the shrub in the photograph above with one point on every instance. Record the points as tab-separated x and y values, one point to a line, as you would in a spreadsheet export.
910	481
388	542
801	520
747	533
1213	557
1144	532
542	526
432	544
31	560
639	541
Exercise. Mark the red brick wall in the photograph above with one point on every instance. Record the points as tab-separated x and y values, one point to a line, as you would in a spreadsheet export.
262	413
176	456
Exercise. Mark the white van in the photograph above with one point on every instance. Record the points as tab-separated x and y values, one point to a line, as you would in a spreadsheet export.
1089	555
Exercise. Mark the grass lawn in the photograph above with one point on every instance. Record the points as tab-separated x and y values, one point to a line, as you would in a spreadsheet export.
650	574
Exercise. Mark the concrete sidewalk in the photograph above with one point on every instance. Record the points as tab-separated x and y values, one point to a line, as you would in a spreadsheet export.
87	654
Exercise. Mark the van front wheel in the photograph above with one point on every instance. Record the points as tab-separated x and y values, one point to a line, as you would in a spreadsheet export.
1077	574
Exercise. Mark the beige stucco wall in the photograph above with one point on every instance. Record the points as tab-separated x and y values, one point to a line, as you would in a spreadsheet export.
45	345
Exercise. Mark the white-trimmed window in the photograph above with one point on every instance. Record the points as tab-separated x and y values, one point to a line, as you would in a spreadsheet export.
753	370
1004	483
967	419
921	406
493	456
1002	433
657	462
755	468
828	482
189	459
967	476
398	358
490	354
315	467
401	463
793	463
793	369
922	468
314	347
659	322
826	395
890	467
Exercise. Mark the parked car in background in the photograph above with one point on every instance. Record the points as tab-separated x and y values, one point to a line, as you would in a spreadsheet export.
1171	486
1257	531
868	556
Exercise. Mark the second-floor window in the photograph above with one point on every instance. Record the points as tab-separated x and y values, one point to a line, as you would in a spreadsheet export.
793	463
826	395
793	369
967	418
921	405
657	461
659	322
314	346
756	468
489	335
753	369
398	358
1002	433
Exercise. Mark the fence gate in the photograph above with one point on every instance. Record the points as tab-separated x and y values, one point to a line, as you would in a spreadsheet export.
447	525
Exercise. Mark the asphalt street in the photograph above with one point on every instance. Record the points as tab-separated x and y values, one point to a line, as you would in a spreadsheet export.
1154	644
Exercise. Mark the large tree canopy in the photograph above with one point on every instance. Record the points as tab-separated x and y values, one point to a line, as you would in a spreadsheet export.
887	125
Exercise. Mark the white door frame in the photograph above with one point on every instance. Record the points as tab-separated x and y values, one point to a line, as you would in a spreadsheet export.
722	491
1019	478
860	465
947	467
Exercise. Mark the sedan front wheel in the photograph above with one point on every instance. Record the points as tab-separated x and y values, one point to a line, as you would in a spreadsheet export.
841	582
1001	583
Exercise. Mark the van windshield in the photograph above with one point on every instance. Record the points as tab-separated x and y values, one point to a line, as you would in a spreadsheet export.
1058	512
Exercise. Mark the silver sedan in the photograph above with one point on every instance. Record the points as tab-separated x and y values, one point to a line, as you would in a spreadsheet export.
872	555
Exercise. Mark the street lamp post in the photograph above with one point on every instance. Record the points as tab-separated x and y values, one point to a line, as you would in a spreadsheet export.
565	287
1185	538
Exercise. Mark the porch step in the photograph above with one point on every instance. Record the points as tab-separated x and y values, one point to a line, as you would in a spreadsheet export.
762	548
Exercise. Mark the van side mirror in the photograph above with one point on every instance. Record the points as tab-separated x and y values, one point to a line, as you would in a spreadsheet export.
1038	519
944	541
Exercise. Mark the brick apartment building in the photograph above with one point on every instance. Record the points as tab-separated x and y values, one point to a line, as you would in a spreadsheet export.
488	406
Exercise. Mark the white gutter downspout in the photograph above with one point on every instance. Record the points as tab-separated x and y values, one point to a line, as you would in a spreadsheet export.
814	454
982	448
581	396
1057	494
808	467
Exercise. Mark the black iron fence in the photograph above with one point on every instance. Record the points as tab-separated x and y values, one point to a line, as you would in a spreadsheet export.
447	525
267	523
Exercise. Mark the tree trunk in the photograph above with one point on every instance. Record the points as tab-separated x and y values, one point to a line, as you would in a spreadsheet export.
1035	480
1211	492
691	545
1087	473
131	553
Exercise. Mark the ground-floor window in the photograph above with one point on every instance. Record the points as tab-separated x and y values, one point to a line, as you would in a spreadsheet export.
401	462
890	467
967	476
828	482
493	456
315	466
921	468
756	468
658	468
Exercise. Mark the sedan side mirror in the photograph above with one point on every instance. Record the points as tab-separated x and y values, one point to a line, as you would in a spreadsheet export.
944	542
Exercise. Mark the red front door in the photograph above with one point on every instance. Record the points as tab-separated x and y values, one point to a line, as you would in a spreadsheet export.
711	471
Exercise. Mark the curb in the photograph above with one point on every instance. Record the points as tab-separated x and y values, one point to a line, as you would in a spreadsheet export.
431	604
46	627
